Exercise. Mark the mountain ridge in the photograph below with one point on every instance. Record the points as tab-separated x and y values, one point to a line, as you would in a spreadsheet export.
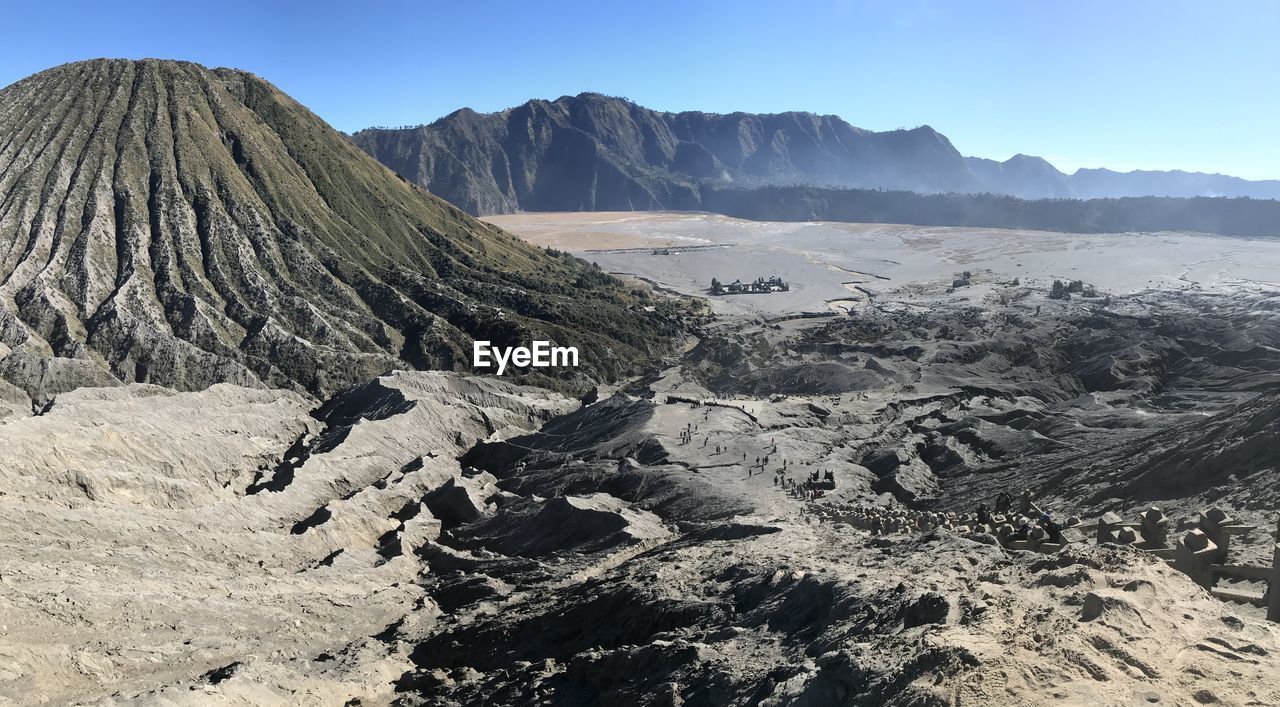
593	152
597	152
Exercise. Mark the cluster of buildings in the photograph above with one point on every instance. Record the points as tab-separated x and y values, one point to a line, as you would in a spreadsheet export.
759	286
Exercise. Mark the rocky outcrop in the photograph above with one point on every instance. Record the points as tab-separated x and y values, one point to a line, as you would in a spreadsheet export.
231	531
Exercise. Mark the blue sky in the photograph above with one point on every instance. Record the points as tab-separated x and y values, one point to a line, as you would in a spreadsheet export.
1128	85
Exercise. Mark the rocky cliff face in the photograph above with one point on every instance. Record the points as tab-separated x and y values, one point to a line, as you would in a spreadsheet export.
161	222
593	152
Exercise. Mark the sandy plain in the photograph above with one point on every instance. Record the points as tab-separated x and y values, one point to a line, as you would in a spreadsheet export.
833	263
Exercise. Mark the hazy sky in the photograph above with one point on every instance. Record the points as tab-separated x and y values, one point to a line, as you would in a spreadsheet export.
1128	85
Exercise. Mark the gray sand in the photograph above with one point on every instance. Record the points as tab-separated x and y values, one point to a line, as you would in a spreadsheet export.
823	261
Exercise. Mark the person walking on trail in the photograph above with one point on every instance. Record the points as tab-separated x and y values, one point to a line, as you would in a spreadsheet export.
984	515
1025	504
1004	502
1052	531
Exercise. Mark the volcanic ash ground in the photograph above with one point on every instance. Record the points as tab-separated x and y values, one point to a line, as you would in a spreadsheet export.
434	538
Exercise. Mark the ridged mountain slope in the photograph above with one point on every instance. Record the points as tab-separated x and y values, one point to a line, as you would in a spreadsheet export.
167	223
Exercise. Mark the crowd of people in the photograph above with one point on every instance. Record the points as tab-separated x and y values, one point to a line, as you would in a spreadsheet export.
1007	519
1022	523
813	485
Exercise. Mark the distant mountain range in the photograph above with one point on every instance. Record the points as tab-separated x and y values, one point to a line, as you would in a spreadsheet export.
1031	177
597	153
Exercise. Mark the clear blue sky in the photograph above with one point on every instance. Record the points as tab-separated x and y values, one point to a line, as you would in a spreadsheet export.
1142	84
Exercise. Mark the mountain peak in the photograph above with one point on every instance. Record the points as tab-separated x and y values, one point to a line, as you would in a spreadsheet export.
185	226
1021	158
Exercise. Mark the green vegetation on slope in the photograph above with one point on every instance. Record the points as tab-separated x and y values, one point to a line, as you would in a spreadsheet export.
1232	217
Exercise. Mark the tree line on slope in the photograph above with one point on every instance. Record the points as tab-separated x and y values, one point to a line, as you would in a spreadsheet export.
1226	216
